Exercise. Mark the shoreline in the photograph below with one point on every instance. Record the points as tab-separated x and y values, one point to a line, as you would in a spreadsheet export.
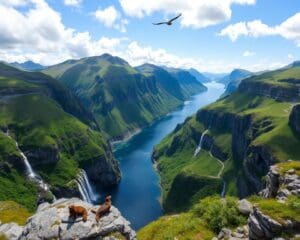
129	134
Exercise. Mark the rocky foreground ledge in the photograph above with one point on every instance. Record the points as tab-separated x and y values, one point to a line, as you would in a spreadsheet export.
51	221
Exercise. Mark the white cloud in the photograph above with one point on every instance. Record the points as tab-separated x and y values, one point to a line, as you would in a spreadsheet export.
195	13
111	18
290	56
73	3
248	53
289	29
40	35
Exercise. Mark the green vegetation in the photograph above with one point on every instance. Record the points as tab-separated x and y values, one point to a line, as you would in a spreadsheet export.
108	86
44	123
219	213
203	221
285	166
184	227
13	212
278	210
264	125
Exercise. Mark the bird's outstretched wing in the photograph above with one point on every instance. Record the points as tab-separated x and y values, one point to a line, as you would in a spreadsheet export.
160	23
173	19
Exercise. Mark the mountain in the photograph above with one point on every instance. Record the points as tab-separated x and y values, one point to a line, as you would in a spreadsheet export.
235	76
28	66
233	80
199	76
188	84
231	144
122	98
214	76
46	138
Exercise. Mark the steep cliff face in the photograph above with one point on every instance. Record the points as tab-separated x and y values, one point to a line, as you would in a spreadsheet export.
294	119
284	92
40	116
247	131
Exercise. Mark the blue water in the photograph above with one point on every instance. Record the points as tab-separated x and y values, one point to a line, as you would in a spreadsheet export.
137	196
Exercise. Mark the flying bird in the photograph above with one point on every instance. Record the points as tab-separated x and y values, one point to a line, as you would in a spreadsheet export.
170	22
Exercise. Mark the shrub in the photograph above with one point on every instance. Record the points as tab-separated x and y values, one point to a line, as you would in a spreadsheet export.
219	213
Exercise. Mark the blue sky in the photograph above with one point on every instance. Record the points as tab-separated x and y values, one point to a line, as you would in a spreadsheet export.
211	35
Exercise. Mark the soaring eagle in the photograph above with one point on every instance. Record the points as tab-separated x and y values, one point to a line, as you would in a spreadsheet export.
170	22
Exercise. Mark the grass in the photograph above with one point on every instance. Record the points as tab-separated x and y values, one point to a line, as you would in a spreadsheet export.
203	221
219	213
285	166
184	227
13	212
279	211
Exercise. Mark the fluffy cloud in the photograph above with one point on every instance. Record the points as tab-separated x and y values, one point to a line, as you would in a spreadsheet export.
111	18
73	3
40	35
195	13
289	29
37	33
248	54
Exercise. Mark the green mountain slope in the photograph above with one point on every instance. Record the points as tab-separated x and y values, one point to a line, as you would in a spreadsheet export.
242	135
123	99
233	80
40	115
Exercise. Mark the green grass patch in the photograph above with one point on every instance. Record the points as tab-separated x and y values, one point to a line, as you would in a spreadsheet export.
219	213
184	227
280	211
13	212
285	166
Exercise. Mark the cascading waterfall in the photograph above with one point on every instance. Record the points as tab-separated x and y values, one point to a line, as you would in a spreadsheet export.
223	189
198	149
85	188
29	170
30	173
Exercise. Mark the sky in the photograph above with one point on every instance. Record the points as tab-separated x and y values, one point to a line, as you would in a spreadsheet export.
211	35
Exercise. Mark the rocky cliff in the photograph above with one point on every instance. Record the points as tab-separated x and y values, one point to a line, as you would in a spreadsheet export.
51	221
294	120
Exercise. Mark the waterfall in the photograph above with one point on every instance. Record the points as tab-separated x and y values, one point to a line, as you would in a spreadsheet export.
30	173
85	188
29	170
198	149
223	189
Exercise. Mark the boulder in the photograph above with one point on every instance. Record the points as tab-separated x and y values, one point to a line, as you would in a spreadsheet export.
11	231
244	206
52	221
262	226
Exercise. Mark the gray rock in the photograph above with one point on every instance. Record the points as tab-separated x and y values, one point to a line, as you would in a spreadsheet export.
291	171
244	206
52	222
262	226
224	233
272	183
11	231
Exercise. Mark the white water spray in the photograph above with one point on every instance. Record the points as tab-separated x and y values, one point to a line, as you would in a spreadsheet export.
198	149
85	188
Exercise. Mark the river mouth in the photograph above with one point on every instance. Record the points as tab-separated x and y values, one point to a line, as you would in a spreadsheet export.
138	194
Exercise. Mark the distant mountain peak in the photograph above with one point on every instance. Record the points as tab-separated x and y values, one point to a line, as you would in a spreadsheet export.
113	59
28	66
